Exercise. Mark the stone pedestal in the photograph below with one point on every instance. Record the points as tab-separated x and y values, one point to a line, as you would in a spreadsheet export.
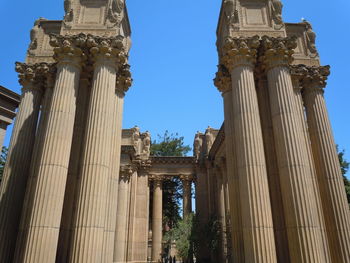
92	209
300	207
258	235
17	166
41	230
157	220
336	209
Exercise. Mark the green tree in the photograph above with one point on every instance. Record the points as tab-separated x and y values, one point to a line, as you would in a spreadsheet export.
344	165
184	236
3	158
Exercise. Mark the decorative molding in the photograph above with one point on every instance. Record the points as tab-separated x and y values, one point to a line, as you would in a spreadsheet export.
277	51
223	79
239	51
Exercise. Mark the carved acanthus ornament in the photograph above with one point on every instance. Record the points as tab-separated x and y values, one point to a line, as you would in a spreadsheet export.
277	51
239	51
124	80
298	73
187	177
223	79
276	7
107	49
126	172
115	13
156	178
69	49
35	76
316	78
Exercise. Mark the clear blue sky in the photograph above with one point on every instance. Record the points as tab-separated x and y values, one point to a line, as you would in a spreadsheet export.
174	59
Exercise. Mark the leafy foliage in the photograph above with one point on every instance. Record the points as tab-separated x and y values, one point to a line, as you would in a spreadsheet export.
3	158
184	236
169	145
344	165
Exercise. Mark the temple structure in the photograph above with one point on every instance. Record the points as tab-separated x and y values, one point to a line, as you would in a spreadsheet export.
79	188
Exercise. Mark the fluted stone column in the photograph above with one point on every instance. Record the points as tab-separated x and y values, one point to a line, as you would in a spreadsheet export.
297	74
157	219
187	195
73	169
202	209
16	172
221	214
37	151
123	83
302	221
90	218
132	216
258	235
336	209
122	218
272	170
141	218
224	84
43	222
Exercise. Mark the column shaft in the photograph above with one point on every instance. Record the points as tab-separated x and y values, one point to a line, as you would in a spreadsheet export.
122	218
302	221
16	169
43	222
90	219
141	220
258	235
222	216
73	171
233	184
187	198
112	200
272	170
157	221
132	216
311	164
336	209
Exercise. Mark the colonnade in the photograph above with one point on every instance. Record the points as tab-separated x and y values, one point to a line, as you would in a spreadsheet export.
41	159
281	153
136	188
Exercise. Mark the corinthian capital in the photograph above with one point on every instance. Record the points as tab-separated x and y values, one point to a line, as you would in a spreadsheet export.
239	51
124	80
316	78
34	76
68	48
223	79
277	51
298	73
107	49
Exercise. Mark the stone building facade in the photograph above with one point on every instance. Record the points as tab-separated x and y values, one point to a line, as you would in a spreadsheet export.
78	188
